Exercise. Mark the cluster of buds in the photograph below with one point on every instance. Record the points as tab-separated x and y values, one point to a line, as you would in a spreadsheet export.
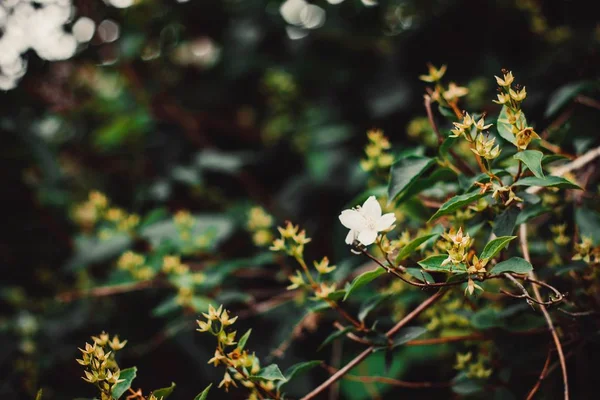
559	234
448	96
241	366
173	265
586	251
459	247
445	318
291	240
466	126
376	151
135	264
101	369
506	193
484	147
96	211
512	98
260	224
473	369
185	223
477	265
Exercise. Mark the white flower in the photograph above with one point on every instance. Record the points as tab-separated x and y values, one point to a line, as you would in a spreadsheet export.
366	221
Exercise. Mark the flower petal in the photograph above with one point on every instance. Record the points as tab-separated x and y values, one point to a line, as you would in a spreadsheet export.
351	236
385	221
367	236
371	208
352	219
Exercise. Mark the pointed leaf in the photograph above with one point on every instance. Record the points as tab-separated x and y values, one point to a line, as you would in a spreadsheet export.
405	172
128	375
407	334
270	373
564	95
456	203
204	394
533	161
420	275
434	264
505	128
495	246
548	181
242	342
504	224
363	279
298	369
334	336
412	246
369	305
163	393
515	264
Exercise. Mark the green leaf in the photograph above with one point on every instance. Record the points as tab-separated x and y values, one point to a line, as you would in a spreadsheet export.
427	182
204	394
504	224
407	334
515	264
369	305
531	212
128	375
456	203
564	95
405	172
163	393
166	307
447	112
588	222
434	264
412	246
505	128
420	274
495	246
270	373
548	181
298	369
334	336
533	161
242	342
363	279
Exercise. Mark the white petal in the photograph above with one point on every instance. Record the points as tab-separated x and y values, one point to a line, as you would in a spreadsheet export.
351	236
352	219
385	221
367	237
371	208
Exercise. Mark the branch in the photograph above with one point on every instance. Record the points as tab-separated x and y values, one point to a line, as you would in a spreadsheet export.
101	291
559	349
543	375
389	381
367	352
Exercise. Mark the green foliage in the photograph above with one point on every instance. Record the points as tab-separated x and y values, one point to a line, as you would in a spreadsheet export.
362	280
533	160
164	392
406	172
495	246
456	203
127	375
514	264
204	394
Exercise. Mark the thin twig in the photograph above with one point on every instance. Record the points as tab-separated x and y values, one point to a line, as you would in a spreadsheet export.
359	358
101	291
559	349
389	381
543	375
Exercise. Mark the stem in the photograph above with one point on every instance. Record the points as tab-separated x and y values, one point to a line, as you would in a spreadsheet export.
359	358
559	349
390	381
543	375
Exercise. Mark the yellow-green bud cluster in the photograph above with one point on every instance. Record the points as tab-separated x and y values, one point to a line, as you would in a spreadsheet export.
291	240
377	155
260	224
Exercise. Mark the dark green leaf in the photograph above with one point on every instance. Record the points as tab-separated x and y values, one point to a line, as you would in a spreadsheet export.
204	394
334	336
588	222
166	307
298	369
242	342
270	373
564	95
505	128
447	112
405	172
504	224
456	203
407	334
531	212
434	264
128	375
533	161
412	246
369	305
163	393
363	279
515	264
420	274
487	318
495	246
548	181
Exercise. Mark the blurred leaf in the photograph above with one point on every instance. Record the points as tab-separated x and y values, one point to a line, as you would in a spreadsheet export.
164	392
504	223
91	250
412	246
420	274
456	203
588	222
128	375
533	161
405	172
363	279
514	264
204	394
404	336
335	335
531	212
562	96
434	264
166	307
548	181
505	128
368	306
466	386
219	161
154	216
495	246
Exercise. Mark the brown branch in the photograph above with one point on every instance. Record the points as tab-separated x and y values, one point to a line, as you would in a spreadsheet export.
588	101
543	375
102	291
447	339
390	334
389	381
559	349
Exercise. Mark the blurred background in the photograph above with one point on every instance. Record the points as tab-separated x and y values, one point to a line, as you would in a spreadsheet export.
217	106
